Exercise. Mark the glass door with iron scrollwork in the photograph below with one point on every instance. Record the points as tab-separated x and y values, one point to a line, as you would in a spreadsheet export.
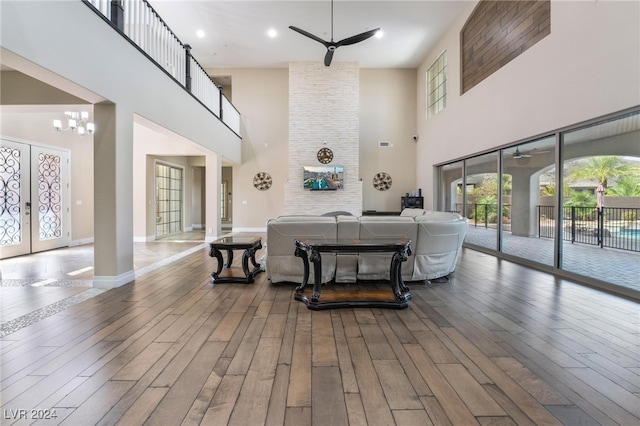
34	199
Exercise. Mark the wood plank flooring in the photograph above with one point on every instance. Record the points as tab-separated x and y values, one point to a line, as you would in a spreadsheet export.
500	344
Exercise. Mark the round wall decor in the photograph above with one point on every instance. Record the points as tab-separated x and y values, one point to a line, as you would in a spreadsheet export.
262	181
382	181
325	155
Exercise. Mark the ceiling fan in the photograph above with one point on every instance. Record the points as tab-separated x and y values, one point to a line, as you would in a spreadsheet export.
517	154
331	45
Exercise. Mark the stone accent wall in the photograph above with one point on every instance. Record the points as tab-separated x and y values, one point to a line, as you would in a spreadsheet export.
323	106
499	31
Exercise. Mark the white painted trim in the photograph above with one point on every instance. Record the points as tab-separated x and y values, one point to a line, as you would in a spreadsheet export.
109	282
146	239
81	242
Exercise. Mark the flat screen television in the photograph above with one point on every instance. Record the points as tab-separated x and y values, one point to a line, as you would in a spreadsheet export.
323	178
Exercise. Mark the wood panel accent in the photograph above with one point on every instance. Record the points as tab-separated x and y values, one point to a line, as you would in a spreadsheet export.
498	344
497	32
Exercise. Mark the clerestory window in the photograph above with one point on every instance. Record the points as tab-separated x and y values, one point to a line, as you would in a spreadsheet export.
437	85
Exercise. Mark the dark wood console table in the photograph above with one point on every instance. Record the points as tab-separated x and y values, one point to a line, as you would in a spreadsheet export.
309	250
250	245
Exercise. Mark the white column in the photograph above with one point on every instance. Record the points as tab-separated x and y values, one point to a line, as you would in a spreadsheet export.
113	196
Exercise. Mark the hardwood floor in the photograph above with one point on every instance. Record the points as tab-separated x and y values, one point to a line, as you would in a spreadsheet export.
500	344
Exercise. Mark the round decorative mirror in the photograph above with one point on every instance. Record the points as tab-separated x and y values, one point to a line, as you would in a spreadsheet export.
382	181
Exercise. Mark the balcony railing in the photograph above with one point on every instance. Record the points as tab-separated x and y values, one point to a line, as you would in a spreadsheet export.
141	24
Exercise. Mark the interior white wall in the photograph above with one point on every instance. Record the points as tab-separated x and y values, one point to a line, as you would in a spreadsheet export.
387	112
587	67
262	96
152	143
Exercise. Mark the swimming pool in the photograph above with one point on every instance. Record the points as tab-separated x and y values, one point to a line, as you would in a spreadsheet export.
629	233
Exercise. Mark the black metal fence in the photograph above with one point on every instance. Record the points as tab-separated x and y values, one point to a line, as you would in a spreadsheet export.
485	215
615	227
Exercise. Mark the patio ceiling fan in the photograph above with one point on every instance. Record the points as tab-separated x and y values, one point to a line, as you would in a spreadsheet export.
331	45
517	155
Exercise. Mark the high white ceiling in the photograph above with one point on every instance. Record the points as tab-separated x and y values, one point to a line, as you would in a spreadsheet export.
236	30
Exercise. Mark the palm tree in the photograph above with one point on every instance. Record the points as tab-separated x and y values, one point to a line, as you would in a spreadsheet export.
626	186
602	169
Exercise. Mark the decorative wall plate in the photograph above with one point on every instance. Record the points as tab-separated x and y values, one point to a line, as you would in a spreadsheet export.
382	181
325	155
262	181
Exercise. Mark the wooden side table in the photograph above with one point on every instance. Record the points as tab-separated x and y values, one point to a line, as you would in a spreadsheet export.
250	245
310	250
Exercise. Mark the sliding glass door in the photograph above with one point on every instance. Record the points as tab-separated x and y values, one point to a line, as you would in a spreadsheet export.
601	201
481	181
569	201
528	200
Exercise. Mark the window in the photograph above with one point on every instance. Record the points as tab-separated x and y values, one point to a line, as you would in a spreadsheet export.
168	200
437	85
224	215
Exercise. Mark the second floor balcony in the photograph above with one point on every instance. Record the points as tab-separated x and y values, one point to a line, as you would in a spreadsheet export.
142	26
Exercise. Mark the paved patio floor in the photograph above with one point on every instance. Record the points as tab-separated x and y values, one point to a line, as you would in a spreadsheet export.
619	267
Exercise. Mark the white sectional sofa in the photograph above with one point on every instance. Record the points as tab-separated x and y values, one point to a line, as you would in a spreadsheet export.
282	265
436	240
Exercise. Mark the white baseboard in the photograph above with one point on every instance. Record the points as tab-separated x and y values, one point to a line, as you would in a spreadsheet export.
81	242
108	282
146	239
197	226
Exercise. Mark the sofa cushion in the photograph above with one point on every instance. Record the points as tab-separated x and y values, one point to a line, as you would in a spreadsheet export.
376	266
347	264
282	264
412	212
435	216
440	238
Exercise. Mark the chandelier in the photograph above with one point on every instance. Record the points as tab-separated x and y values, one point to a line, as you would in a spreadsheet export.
76	122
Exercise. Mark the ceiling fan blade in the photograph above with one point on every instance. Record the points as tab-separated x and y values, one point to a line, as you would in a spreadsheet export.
357	38
519	154
308	34
328	57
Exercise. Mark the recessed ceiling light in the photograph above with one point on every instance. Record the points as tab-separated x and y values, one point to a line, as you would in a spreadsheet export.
272	33
379	34
200	33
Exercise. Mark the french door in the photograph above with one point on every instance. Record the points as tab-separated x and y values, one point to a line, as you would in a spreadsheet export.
34	198
169	199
